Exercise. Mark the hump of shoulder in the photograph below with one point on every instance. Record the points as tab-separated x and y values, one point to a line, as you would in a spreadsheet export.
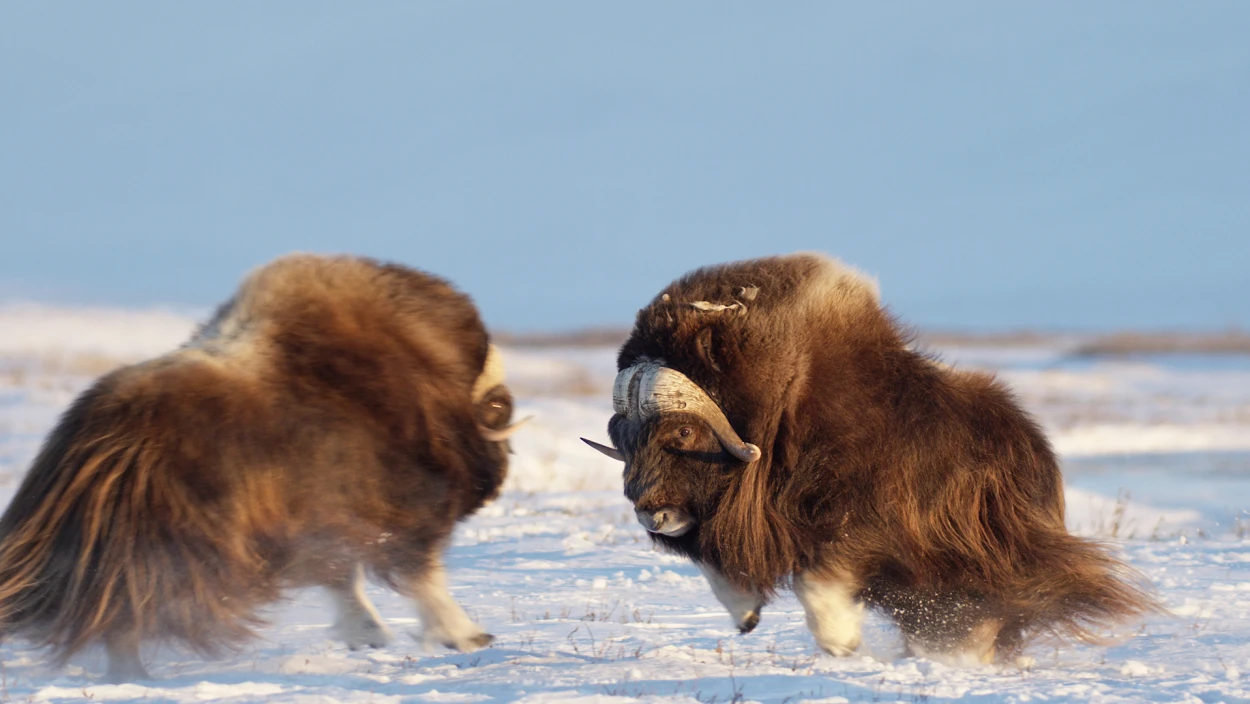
301	276
823	281
347	300
800	283
286	288
158	387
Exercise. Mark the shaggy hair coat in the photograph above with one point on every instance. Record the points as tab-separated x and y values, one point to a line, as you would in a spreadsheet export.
924	487
325	417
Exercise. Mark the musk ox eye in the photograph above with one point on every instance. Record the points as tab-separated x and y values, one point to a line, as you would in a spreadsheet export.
686	432
494	411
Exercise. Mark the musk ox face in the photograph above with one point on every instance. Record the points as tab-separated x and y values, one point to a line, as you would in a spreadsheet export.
677	446
675	470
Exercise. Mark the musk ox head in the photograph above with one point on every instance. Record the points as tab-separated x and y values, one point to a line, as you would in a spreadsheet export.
493	401
678	447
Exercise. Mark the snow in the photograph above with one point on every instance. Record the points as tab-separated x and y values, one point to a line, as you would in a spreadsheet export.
584	610
34	330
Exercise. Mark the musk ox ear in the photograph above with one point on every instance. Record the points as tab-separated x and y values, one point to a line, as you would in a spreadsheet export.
609	451
706	345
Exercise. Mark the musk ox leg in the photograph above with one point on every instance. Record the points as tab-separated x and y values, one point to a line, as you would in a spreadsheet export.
123	655
744	607
980	645
976	646
958	628
1010	638
358	623
834	615
442	619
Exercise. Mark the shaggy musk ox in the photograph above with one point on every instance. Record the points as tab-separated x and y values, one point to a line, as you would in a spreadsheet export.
777	428
335	418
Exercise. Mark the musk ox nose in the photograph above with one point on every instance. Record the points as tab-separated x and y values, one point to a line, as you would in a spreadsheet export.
668	521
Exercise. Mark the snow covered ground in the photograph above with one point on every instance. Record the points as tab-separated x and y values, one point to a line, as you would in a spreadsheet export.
1157	461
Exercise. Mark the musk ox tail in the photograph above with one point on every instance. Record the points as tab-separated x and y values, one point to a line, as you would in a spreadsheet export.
101	544
1076	592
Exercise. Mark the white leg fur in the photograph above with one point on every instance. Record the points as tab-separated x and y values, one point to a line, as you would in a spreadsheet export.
124	663
358	623
834	617
744	607
978	648
442	619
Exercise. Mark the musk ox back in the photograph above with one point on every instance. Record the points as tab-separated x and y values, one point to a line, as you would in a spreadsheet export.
335	418
778	428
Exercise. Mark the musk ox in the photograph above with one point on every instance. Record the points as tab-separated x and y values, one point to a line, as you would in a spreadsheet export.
334	419
778	428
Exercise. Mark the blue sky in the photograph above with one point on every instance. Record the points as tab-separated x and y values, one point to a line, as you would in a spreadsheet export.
1062	165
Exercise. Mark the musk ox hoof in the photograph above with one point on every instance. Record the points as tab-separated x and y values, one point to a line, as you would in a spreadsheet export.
749	623
378	641
467	645
483	639
365	634
840	650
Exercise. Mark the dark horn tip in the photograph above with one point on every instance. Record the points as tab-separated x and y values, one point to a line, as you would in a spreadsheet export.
609	451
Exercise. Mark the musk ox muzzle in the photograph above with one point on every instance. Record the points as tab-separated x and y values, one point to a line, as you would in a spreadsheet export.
670	521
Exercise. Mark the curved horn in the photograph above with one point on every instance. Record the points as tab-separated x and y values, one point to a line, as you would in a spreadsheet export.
609	451
503	433
648	388
492	374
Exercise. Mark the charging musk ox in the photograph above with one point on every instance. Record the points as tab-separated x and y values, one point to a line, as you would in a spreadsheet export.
335	418
777	428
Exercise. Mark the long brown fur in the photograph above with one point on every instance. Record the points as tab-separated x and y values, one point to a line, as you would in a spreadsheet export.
321	419
929	486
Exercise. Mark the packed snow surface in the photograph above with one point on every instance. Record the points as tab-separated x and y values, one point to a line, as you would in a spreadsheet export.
1157	463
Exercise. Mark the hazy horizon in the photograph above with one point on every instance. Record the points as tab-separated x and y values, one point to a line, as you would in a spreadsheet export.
1066	166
